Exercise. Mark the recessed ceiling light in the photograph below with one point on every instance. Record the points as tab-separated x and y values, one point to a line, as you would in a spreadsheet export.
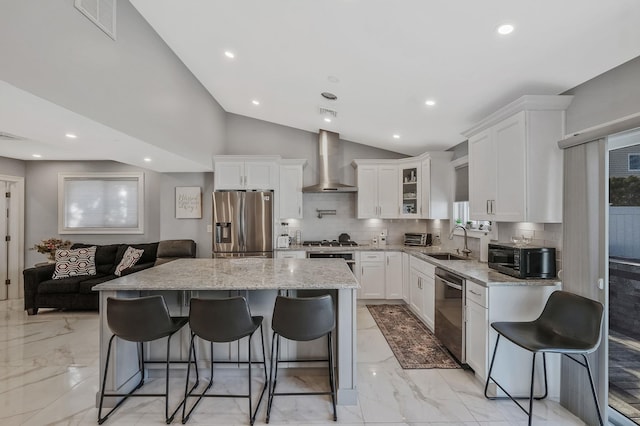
229	54
37	156
327	119
147	159
430	102
396	136
71	136
255	102
505	29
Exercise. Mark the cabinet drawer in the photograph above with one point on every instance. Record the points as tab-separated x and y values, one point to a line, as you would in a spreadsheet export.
371	256
477	293
424	267
298	254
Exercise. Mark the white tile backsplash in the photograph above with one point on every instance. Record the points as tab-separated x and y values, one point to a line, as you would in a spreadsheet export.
543	234
344	221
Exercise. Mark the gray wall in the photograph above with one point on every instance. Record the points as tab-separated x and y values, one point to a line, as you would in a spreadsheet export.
41	203
11	167
195	229
136	84
249	136
609	96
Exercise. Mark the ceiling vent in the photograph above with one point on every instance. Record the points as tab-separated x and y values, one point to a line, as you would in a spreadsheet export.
9	137
100	12
328	112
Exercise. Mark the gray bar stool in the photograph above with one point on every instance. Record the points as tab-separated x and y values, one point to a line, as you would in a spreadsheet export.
140	320
221	321
302	319
569	325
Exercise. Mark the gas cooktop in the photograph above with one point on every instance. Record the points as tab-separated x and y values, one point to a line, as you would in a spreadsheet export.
327	243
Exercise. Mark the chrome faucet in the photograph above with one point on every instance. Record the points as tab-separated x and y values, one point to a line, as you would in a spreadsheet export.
465	250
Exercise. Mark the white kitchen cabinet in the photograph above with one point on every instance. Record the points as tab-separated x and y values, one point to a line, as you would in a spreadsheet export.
290	189
238	172
485	305
497	175
482	150
422	290
393	275
515	164
476	323
372	275
410	175
291	254
405	277
415	292
414	188
425	186
436	186
377	191
429	294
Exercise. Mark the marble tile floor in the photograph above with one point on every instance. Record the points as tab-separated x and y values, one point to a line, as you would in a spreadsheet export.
49	376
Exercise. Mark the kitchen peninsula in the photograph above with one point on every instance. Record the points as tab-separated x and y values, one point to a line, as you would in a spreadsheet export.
260	281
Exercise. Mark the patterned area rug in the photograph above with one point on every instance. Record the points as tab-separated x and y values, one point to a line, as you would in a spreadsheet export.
411	341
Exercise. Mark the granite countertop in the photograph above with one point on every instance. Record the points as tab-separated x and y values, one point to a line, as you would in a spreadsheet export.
239	274
472	269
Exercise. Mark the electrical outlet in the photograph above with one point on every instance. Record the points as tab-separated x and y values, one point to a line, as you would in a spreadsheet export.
209	228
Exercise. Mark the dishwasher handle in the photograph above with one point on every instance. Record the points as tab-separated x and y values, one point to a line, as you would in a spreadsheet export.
450	284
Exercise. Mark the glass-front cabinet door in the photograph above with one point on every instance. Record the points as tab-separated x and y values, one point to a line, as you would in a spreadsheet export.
410	188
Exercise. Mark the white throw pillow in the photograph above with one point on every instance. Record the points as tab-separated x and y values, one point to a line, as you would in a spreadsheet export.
130	258
75	262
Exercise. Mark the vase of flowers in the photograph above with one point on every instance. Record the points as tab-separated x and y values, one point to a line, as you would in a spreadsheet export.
49	247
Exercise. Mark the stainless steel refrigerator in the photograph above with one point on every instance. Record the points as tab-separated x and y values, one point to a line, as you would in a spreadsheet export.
243	224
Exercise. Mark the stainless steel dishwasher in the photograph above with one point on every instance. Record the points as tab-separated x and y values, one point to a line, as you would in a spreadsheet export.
449	312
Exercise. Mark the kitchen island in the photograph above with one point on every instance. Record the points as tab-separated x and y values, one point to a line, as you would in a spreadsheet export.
260	281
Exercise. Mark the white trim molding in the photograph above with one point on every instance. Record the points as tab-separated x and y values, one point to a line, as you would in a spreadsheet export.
64	178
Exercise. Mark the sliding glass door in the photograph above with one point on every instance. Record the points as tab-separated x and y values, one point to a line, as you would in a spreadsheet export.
624	277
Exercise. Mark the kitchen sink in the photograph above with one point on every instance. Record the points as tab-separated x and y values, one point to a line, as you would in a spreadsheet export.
446	256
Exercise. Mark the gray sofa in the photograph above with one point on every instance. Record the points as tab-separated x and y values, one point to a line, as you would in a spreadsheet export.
75	293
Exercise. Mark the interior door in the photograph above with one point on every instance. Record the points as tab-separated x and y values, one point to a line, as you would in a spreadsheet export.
4	246
11	224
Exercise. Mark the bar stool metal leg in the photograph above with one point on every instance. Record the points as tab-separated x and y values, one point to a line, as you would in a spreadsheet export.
252	412
531	397
273	371
332	382
168	418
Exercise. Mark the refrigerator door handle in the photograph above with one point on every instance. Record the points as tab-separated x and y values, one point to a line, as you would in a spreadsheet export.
243	224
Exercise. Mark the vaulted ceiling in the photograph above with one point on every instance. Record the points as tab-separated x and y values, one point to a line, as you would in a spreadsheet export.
384	59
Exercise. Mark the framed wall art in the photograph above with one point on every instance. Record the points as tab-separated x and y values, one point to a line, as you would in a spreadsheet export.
188	202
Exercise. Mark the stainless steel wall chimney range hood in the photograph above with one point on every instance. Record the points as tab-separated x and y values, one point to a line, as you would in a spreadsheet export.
329	162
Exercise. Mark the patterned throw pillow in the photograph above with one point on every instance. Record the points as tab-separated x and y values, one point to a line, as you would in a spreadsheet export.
75	262
131	256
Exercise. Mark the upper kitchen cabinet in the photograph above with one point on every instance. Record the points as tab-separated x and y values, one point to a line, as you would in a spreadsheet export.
411	189
290	188
377	189
419	189
425	186
515	165
436	181
245	172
